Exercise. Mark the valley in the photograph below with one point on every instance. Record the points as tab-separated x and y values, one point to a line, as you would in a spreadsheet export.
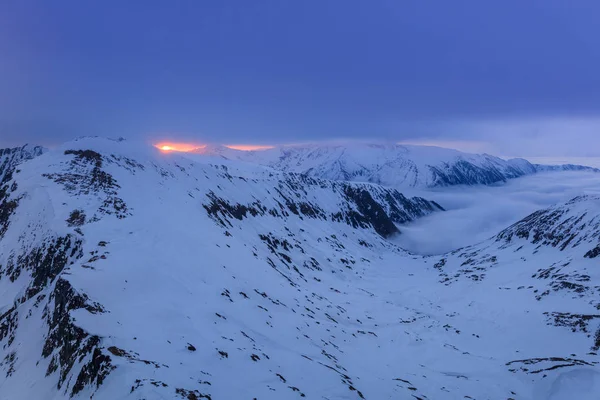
130	273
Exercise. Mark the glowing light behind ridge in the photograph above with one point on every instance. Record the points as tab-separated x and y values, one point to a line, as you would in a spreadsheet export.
197	148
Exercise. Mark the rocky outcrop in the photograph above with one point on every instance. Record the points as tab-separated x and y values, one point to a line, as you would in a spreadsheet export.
569	225
13	157
66	343
463	172
358	205
85	176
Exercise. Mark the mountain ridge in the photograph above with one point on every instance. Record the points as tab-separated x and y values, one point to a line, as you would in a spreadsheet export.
130	273
394	165
10	158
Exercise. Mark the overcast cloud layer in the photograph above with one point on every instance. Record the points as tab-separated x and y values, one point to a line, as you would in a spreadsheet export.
516	77
478	213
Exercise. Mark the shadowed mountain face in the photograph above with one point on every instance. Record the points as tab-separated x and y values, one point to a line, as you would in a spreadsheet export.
11	158
128	273
391	165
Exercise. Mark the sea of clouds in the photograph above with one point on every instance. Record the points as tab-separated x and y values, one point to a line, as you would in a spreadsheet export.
474	214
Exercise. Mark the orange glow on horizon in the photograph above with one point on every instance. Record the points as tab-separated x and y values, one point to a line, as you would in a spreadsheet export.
198	148
184	147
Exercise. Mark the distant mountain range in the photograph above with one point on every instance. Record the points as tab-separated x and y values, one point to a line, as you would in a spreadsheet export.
391	165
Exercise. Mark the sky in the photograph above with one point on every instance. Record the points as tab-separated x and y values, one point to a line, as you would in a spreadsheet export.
514	77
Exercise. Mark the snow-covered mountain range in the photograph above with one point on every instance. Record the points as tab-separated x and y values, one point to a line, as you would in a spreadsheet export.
394	165
127	273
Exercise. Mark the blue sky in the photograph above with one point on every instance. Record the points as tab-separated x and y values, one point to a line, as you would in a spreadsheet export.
510	77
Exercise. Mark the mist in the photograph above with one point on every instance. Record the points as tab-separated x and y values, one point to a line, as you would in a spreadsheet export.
474	214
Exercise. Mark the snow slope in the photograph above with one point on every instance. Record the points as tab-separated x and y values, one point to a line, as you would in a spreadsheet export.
126	273
551	256
11	158
393	165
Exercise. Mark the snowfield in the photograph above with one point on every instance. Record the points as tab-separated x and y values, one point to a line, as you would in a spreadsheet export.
127	273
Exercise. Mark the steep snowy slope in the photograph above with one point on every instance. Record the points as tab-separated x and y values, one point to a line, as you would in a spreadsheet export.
550	256
11	158
390	165
126	273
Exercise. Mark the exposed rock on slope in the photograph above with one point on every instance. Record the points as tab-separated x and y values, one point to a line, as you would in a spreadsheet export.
127	273
570	225
358	205
11	158
552	252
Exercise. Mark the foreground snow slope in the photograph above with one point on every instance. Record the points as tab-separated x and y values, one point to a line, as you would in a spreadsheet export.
399	166
130	274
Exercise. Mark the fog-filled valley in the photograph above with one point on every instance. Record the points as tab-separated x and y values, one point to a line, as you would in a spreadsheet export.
474	214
